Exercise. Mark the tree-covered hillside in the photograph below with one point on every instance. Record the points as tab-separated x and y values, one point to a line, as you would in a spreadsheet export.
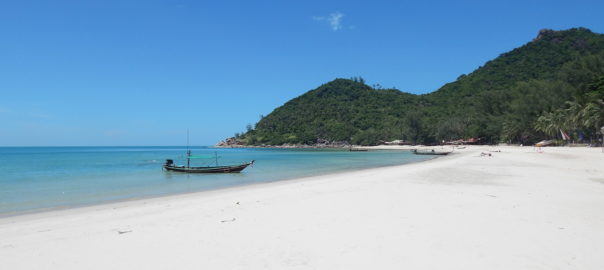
336	111
499	102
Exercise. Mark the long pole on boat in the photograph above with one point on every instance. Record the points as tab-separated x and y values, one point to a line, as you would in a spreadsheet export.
188	151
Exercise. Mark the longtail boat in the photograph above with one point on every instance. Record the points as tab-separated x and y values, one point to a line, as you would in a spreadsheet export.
170	166
429	152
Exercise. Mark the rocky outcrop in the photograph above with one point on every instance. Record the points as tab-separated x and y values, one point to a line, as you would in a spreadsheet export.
230	142
237	143
544	33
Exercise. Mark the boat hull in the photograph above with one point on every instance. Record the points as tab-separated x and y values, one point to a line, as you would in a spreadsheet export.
431	152
209	169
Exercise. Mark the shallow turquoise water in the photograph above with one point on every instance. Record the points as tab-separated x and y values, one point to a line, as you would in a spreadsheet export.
39	178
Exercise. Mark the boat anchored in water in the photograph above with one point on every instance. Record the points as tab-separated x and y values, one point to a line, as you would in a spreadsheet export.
430	152
170	166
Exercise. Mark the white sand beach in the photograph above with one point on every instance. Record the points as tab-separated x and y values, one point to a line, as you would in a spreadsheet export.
515	209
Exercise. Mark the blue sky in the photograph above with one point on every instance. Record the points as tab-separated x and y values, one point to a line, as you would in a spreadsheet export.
142	72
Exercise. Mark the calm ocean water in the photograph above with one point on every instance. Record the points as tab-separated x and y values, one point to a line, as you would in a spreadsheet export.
42	178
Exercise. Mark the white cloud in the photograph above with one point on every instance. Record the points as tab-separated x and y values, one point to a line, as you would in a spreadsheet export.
334	20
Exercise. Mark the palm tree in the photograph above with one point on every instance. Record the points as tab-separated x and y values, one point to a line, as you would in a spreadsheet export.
572	115
546	124
551	122
592	115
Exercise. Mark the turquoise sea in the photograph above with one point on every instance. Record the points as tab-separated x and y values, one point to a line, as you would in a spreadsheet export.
44	178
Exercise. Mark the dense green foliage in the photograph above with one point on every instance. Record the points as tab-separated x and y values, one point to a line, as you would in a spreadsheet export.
336	111
584	114
499	102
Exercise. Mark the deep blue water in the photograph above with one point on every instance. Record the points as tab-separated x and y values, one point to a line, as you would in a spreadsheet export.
40	178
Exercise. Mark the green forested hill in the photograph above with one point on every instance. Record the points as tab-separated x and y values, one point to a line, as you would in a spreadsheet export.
335	111
499	102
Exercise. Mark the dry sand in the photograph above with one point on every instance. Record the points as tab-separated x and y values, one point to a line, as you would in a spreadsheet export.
517	209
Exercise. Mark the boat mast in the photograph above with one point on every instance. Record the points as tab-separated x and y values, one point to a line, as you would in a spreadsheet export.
188	151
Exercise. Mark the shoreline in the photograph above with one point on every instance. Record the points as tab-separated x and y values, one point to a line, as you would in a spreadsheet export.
516	209
152	197
325	146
